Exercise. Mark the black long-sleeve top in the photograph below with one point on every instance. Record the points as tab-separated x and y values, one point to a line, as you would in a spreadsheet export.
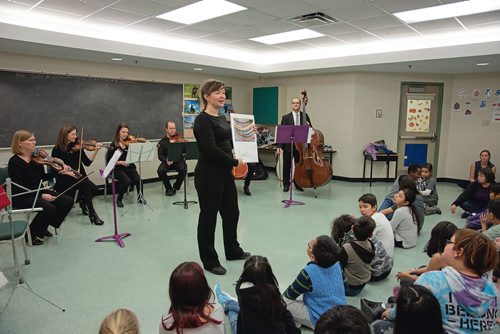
27	175
213	136
71	158
476	192
111	152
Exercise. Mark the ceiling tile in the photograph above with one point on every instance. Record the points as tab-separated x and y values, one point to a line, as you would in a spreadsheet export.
246	44
187	32
324	41
394	32
177	3
492	25
360	36
471	20
248	32
375	22
395	6
216	25
287	8
155	25
278	26
143	7
55	13
335	29
101	2
24	2
249	17
325	4
354	12
296	45
14	6
71	6
221	38
117	16
430	27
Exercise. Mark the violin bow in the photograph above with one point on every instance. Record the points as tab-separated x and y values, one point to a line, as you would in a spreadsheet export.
81	149
71	187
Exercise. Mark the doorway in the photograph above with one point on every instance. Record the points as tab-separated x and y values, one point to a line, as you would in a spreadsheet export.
419	124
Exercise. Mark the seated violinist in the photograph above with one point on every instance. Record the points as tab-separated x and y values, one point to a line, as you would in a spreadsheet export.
125	173
69	149
166	165
27	170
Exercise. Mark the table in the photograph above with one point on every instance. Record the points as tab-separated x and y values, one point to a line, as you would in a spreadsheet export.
380	157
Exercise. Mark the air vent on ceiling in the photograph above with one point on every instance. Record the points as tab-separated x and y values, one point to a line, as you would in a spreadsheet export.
314	19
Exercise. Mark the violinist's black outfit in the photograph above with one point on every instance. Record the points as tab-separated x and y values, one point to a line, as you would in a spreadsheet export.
179	166
29	175
126	176
86	188
289	119
216	189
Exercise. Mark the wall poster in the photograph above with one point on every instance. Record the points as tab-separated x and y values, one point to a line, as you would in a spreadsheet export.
418	114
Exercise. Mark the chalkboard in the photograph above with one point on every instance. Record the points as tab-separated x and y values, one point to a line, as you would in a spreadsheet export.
43	103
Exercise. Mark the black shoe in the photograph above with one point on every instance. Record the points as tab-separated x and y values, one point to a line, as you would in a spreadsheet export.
170	192
94	219
85	210
34	240
371	310
299	188
243	256
247	191
466	214
119	203
177	187
48	234
142	200
286	189
219	270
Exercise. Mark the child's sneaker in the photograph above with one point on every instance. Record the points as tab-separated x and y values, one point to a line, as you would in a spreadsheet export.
222	297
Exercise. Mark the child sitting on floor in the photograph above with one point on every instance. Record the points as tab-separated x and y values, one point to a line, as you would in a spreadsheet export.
357	255
320	283
474	222
427	188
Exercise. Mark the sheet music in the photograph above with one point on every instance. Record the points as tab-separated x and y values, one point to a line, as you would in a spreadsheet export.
111	164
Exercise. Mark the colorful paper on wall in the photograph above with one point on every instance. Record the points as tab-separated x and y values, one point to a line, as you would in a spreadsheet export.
496	117
462	93
191	91
418	115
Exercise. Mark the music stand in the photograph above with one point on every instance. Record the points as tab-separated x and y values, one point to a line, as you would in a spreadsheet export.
187	150
110	167
139	152
291	134
20	280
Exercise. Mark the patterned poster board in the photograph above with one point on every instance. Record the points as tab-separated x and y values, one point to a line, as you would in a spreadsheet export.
418	114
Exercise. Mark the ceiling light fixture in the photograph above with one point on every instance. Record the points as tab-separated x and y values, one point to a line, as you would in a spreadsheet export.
289	36
449	10
116	59
197	69
482	64
201	11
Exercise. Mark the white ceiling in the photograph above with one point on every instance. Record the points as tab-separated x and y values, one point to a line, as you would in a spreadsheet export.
366	38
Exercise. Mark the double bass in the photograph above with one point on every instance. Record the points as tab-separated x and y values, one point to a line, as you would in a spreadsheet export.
312	170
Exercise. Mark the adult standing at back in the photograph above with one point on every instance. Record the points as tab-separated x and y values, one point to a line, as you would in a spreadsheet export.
294	117
214	181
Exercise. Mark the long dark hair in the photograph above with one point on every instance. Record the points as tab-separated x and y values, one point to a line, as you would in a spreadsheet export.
116	139
418	311
62	138
189	295
411	196
258	271
440	233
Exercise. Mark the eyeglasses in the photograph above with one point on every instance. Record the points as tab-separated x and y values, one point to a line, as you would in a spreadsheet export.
448	241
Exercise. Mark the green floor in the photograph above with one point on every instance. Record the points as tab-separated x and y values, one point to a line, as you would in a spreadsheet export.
91	279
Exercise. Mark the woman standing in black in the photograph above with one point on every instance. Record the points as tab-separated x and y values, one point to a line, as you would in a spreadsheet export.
213	180
26	173
64	150
125	173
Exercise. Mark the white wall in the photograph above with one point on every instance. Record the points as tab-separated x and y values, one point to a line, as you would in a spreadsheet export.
341	105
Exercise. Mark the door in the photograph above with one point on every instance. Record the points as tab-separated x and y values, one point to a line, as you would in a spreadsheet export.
419	124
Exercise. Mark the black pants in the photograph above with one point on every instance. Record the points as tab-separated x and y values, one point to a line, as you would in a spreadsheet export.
217	194
86	189
179	166
53	213
126	177
251	170
286	165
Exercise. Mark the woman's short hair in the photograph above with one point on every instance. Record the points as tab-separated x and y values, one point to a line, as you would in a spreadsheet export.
208	87
342	319
488	174
479	252
418	311
121	321
17	138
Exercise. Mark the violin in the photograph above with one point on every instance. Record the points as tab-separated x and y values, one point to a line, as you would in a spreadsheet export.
41	157
177	138
89	145
133	139
240	172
